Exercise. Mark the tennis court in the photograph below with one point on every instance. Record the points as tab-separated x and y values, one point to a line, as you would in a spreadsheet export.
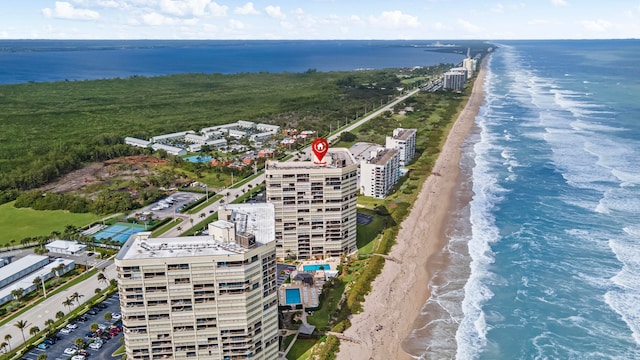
119	232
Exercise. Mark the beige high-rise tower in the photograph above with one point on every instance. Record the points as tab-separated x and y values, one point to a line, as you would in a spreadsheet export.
315	205
202	297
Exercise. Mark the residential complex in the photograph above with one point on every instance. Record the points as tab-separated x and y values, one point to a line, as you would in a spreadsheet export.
455	78
379	172
315	205
203	297
404	140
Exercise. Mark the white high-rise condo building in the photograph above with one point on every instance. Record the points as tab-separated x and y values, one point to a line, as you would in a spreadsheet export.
455	78
379	172
315	205
405	141
202	297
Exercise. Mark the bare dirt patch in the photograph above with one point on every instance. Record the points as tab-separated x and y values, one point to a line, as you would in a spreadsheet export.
127	167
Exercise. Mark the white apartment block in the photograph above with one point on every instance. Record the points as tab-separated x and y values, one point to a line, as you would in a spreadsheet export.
315	205
404	140
202	297
454	79
470	65
379	173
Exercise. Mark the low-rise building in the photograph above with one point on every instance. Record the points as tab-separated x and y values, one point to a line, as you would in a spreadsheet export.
65	247
172	150
176	135
136	142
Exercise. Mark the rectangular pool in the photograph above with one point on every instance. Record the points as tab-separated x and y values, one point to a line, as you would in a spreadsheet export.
292	296
316	267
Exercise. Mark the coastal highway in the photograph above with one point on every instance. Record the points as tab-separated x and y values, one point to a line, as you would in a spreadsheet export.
234	193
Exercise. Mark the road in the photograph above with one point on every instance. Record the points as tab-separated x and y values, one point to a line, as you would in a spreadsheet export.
49	307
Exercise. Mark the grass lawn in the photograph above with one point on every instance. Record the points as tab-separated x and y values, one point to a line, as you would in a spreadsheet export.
368	233
301	349
16	224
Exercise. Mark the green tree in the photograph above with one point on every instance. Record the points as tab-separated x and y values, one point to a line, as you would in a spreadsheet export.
42	356
59	315
68	302
17	294
21	324
347	137
94	327
34	330
102	278
50	325
3	346
76	297
108	316
7	338
79	342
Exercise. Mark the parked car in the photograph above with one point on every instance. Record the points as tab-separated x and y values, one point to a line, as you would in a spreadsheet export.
102	306
116	316
83	352
43	346
82	319
49	341
95	345
92	311
72	326
65	331
102	326
78	357
71	350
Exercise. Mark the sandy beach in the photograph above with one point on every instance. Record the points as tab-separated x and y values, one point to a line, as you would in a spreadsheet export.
401	290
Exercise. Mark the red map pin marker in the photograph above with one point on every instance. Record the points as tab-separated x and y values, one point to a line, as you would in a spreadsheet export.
320	147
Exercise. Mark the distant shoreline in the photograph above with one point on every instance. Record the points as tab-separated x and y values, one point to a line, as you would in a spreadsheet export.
401	289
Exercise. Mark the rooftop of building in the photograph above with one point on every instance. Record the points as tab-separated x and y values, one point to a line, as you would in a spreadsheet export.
335	158
403	134
383	155
362	150
256	219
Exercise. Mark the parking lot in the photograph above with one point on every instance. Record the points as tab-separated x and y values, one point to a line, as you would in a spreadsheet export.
64	341
180	199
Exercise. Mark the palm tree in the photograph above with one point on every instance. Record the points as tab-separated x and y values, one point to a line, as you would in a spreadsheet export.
37	282
3	347
79	343
34	330
59	315
17	293
77	296
97	290
102	278
7	338
49	324
68	302
42	356
21	324
108	317
94	327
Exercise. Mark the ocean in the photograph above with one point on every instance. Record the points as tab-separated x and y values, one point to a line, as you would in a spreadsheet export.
544	262
59	60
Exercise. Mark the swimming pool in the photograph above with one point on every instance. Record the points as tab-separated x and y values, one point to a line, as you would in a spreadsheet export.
198	159
316	267
292	296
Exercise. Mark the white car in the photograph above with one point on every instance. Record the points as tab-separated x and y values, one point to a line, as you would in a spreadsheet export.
70	351
102	326
95	345
78	357
65	331
116	316
72	326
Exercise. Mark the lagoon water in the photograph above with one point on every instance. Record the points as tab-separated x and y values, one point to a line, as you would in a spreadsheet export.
544	263
58	60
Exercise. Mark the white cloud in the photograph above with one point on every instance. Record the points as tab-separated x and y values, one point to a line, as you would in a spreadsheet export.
108	4
247	9
218	10
559	3
155	19
275	12
469	27
298	11
184	7
498	8
395	19
236	24
596	25
65	10
538	22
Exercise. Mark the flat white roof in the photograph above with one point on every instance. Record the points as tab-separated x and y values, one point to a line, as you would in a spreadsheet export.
27	281
71	246
20	264
258	218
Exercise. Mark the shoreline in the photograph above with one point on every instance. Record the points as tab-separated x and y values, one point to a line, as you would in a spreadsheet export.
401	289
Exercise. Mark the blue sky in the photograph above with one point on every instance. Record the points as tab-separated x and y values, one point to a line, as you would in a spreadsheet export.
319	19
